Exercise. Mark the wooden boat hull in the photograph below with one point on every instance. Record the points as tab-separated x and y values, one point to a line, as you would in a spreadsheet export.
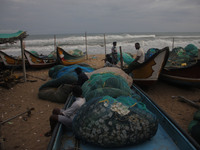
168	136
37	62
10	61
188	76
148	72
66	59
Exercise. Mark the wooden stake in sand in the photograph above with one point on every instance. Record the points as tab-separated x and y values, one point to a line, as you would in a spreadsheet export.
105	43
121	57
173	44
86	44
23	59
55	43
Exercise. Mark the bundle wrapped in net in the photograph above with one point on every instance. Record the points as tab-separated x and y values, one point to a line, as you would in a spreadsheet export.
69	78
102	84
181	57
115	70
76	52
60	70
53	94
150	52
110	122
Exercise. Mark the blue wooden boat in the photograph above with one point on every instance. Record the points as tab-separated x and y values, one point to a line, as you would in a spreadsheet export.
169	135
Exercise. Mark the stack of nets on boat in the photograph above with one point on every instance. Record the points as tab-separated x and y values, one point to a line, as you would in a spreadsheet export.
181	57
75	52
127	58
150	52
58	89
114	115
115	70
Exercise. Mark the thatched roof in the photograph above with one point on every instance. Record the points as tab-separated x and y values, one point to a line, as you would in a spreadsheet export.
11	38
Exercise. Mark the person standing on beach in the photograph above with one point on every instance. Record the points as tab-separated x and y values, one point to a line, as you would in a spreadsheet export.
114	53
138	60
82	77
66	116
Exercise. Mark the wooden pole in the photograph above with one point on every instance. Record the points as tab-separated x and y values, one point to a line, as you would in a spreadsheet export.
173	44
105	43
54	42
121	57
23	59
86	44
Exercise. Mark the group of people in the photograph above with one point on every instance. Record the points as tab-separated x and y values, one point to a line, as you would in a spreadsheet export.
66	116
112	59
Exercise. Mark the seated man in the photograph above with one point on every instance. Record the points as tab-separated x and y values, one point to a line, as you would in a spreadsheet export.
66	116
82	77
138	60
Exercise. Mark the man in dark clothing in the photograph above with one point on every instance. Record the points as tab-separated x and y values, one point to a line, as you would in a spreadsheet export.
81	76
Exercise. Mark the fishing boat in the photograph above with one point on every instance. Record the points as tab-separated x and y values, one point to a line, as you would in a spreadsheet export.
66	59
148	72
186	76
168	136
10	61
39	62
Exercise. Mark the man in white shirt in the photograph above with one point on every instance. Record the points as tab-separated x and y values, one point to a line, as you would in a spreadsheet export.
138	60
66	116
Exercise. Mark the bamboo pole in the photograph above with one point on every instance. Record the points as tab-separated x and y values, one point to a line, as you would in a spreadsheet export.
121	57
173	44
86	44
23	59
54	42
105	43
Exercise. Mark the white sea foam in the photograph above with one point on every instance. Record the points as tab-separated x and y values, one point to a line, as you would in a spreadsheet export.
95	42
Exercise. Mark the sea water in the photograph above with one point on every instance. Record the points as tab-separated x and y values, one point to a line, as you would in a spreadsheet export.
101	43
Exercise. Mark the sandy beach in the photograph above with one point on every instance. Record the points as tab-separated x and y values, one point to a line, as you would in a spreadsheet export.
27	133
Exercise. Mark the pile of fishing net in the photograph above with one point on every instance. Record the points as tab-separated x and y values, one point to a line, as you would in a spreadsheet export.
150	52
102	84
58	95
127	58
115	70
109	122
181	57
113	115
75	52
58	88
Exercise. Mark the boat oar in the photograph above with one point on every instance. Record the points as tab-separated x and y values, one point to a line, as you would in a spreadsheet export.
36	77
28	114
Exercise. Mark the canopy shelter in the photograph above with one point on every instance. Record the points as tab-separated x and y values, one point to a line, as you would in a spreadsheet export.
11	38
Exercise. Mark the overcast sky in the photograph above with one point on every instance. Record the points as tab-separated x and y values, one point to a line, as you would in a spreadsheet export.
99	16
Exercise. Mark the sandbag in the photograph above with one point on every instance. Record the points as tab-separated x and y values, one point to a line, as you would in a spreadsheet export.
58	95
108	123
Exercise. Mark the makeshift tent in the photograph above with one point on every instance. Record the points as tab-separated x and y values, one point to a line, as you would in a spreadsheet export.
11	38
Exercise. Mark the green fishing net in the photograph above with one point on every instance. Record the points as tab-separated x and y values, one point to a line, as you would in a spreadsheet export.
181	57
102	84
110	122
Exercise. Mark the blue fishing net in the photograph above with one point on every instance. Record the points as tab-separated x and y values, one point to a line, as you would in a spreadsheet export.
70	69
60	70
150	52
